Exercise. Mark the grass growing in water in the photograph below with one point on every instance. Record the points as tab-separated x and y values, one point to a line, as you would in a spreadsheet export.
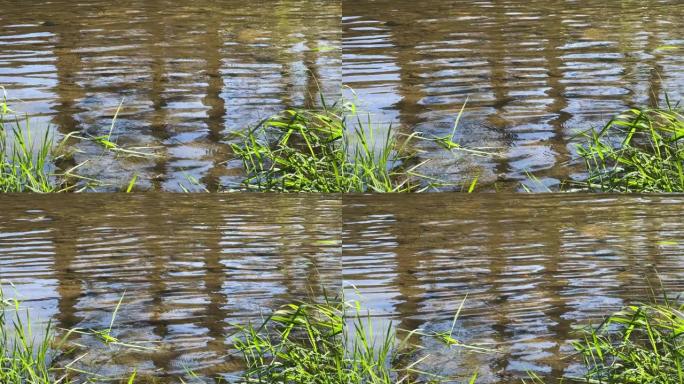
27	162
639	344
638	151
322	344
25	359
109	144
310	151
23	161
22	358
319	151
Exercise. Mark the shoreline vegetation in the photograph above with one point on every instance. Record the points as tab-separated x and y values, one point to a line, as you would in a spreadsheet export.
640	150
334	149
334	342
29	163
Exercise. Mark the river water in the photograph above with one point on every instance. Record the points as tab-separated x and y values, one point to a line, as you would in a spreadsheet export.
533	268
188	268
534	73
188	74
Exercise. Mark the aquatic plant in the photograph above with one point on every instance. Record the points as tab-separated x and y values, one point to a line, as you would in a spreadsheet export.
311	151
26	359
639	344
331	150
23	359
325	343
109	144
449	142
24	161
27	163
640	150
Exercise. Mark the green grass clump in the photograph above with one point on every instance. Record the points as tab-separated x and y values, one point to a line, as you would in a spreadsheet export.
27	163
23	358
639	344
23	162
324	344
640	150
317	151
27	359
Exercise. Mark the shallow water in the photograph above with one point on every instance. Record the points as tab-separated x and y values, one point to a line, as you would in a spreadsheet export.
533	268
189	266
534	74
188	74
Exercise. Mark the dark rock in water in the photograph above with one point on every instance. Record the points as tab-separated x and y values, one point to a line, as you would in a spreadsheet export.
48	23
391	23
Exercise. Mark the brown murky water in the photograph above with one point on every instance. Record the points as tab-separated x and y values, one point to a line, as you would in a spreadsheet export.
534	74
188	73
189	266
534	268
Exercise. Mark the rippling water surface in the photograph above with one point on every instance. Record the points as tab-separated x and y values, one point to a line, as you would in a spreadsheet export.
534	268
534	74
189	267
188	73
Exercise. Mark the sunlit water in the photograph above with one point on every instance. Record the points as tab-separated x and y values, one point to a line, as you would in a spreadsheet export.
534	268
189	267
188	74
534	74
